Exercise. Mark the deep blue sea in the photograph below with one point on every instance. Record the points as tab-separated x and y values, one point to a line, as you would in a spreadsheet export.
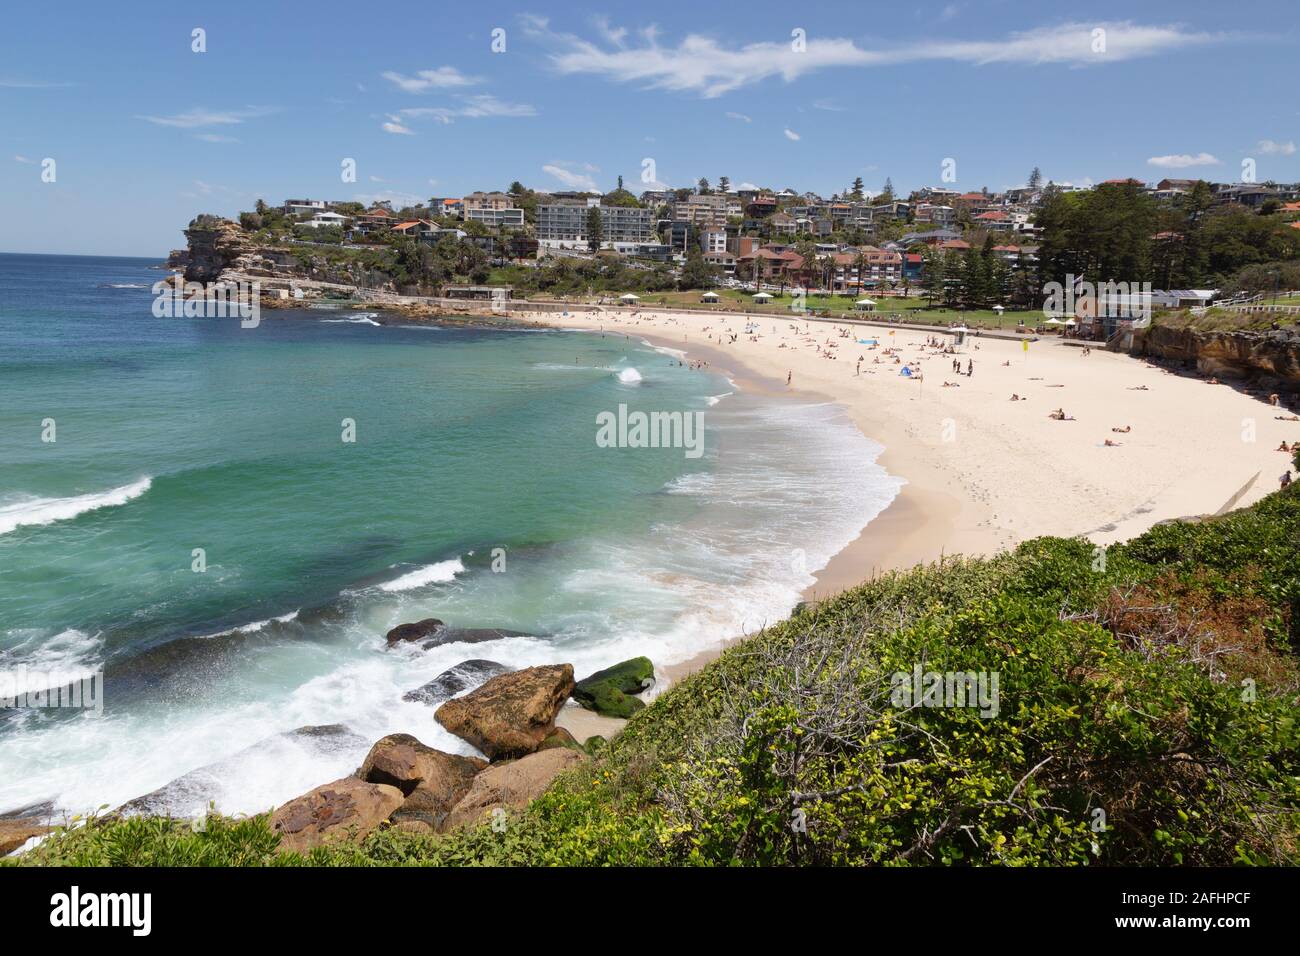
131	445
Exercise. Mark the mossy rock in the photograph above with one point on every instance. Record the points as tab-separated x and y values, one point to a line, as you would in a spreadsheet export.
608	692
561	738
609	701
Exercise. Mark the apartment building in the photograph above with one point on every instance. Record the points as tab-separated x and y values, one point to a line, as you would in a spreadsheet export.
565	224
494	217
486	201
711	210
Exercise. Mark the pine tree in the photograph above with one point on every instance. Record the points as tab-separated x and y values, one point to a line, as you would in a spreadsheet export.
1035	178
595	228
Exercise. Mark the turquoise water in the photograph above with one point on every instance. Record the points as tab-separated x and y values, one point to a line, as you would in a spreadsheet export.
172	435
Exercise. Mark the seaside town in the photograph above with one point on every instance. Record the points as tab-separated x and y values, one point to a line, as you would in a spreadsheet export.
1187	244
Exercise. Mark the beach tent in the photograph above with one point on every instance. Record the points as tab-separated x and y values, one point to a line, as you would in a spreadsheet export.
1071	322
629	297
1053	322
709	297
999	309
958	333
867	304
762	296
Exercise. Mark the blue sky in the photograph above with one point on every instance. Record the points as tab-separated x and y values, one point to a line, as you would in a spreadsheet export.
145	133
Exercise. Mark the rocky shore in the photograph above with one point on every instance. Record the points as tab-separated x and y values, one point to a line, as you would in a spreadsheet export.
508	716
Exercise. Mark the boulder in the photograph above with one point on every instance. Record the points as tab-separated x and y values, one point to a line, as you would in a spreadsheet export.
560	737
346	809
432	781
511	714
609	692
510	785
462	677
414	632
14	833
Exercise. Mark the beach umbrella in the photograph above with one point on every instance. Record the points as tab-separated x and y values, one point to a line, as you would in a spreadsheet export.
764	296
865	304
1053	322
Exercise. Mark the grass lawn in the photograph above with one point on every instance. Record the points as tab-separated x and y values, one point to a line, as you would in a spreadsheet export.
911	309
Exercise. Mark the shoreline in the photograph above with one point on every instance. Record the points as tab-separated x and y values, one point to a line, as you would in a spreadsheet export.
983	472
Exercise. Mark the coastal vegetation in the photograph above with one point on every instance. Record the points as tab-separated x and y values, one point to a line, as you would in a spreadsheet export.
1146	714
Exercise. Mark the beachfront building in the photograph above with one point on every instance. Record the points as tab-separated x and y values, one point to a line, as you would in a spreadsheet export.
713	209
303	207
479	201
563	225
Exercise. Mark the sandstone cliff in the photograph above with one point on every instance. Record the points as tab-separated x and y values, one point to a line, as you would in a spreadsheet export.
1271	358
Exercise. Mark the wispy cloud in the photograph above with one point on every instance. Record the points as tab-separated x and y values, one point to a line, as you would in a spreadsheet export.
1281	149
480	106
792	135
1183	160
14	83
394	125
829	106
572	178
215	138
24	159
442	78
200	117
703	65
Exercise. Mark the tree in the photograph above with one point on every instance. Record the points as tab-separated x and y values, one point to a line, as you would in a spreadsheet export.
886	194
856	190
620	183
703	187
934	276
595	228
1035	178
517	188
696	273
724	184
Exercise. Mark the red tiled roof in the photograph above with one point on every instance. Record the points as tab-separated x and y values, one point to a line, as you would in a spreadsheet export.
992	215
954	244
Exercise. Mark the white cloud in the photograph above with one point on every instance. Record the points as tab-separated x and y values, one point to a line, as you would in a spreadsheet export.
1183	160
829	106
740	116
215	138
444	77
394	125
792	135
199	117
1269	146
702	65
571	179
24	159
472	107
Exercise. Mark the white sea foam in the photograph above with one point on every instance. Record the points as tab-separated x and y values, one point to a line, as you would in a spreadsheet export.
438	573
629	376
358	318
40	511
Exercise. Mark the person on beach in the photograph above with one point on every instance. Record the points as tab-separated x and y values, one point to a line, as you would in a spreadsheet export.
1285	447
1285	480
788	377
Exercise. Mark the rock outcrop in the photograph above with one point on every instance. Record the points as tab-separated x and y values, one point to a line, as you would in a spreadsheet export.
215	245
14	833
609	692
432	781
346	809
1272	358
511	785
415	631
511	714
455	680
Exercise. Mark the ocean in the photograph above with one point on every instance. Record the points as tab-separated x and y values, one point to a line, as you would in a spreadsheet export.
181	510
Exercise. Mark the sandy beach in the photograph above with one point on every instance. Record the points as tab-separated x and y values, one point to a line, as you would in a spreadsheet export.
985	472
